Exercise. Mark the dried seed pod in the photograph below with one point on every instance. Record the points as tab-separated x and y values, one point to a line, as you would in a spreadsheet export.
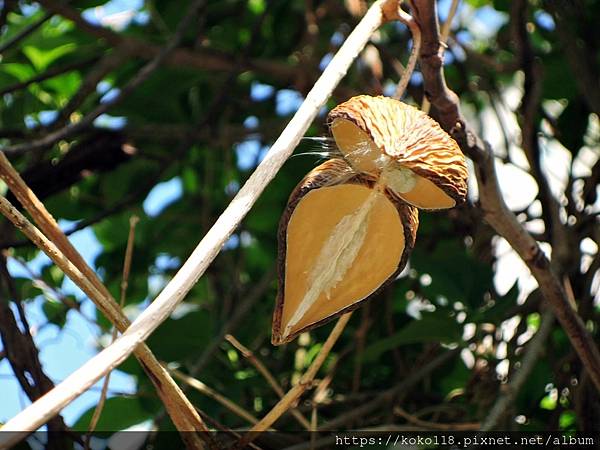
385	137
341	238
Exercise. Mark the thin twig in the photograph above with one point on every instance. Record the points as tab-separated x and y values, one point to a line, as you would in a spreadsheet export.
414	53
202	59
211	393
25	32
124	284
249	355
360	338
262	369
23	355
320	394
50	73
88	85
447	25
219	426
305	381
241	310
458	426
387	396
50	291
535	349
137	80
36	414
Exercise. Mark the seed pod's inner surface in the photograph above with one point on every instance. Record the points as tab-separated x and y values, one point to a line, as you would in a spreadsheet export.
358	148
343	242
422	194
364	156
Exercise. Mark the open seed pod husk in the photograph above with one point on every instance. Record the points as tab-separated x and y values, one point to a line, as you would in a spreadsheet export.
385	137
341	239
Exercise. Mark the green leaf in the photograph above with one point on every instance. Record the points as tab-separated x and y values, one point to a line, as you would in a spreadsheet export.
558	81
26	288
572	125
256	6
501	306
567	420
21	72
478	3
56	312
548	402
63	86
118	414
436	326
42	58
446	265
176	339
52	275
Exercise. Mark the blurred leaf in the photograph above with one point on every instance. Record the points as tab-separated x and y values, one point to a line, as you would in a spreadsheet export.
118	414
501	306
548	402
433	327
21	72
558	79
567	420
456	378
42	58
64	86
56	312
445	264
572	125
52	275
193	331
26	288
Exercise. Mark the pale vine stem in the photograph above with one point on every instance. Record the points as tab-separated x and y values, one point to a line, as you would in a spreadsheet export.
60	250
124	284
78	382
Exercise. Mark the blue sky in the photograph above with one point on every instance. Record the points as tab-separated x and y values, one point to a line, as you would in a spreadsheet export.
64	351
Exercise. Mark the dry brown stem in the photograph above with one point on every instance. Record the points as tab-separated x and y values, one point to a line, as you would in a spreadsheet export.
494	208
444	34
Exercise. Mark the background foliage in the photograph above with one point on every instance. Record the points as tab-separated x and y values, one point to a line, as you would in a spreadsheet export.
175	150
